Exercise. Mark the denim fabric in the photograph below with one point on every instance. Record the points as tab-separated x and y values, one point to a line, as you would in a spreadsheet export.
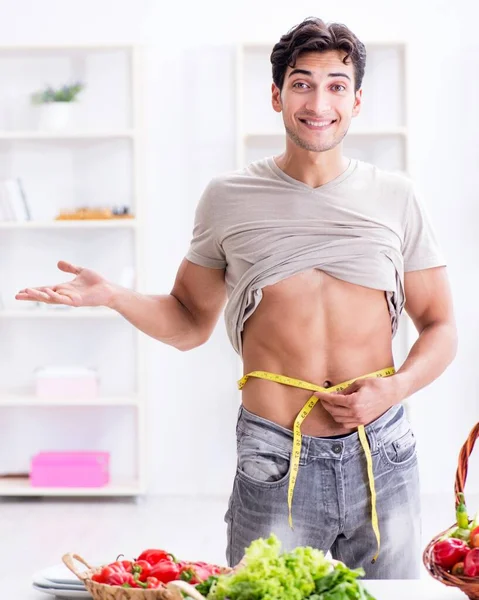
332	500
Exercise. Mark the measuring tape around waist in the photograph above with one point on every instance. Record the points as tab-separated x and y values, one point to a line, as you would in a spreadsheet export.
297	438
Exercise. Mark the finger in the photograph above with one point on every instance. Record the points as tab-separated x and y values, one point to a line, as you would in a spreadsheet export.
351	388
33	294
59	298
334	399
24	292
337	410
69	268
25	296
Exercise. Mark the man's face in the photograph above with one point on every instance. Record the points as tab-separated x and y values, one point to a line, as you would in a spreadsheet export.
318	100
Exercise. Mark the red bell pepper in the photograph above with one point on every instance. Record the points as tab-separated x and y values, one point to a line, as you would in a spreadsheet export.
446	553
152	582
120	578
153	556
122	565
165	571
141	569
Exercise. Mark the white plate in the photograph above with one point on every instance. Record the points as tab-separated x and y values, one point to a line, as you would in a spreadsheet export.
40	581
60	574
62	593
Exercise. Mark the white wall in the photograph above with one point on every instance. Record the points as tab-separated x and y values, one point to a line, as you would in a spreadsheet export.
189	111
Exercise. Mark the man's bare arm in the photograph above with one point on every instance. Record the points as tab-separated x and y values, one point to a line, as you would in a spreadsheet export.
429	304
186	317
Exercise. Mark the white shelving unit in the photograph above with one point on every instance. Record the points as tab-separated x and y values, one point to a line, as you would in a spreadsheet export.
95	162
72	224
378	135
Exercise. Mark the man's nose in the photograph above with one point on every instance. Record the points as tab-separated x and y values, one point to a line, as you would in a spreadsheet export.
318	103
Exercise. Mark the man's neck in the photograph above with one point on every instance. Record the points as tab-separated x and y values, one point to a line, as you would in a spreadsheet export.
312	168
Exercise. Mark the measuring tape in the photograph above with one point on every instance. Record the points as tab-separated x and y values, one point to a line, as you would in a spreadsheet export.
297	438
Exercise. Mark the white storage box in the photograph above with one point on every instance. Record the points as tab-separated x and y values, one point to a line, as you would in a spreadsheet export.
66	382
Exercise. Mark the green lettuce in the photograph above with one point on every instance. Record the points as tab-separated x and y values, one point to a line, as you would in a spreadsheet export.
269	574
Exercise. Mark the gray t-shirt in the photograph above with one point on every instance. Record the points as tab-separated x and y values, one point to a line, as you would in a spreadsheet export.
366	227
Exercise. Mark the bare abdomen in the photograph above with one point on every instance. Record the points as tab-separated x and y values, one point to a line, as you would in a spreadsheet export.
317	328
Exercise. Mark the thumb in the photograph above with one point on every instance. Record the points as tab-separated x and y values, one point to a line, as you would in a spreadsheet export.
69	268
352	387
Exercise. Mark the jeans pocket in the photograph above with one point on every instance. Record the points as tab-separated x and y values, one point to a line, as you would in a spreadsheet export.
401	451
262	463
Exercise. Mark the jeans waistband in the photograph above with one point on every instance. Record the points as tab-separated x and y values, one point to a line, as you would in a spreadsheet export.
381	431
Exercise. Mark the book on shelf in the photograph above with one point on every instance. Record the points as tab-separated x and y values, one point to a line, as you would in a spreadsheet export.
13	201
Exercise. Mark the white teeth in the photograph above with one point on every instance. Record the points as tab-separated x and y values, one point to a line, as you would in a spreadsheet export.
316	124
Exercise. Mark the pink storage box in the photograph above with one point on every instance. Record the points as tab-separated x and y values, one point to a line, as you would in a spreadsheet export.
70	469
66	382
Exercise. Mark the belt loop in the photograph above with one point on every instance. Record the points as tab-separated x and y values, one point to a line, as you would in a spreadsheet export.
372	438
305	448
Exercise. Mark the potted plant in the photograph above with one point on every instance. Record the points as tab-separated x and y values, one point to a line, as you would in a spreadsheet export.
55	105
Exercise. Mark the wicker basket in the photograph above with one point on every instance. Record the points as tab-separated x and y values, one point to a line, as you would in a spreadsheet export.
468	585
103	591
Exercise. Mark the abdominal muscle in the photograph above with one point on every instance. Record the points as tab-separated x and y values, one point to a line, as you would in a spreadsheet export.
317	328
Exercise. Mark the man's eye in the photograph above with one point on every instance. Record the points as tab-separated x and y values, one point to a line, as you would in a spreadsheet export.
338	87
301	85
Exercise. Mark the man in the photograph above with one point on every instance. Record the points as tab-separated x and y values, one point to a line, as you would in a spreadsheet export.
317	254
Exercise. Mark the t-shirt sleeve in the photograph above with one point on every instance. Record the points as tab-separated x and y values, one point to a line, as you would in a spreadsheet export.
205	249
420	248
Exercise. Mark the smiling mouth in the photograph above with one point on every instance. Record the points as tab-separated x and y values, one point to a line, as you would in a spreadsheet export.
317	124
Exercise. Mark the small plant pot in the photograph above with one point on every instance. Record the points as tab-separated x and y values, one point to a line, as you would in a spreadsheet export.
54	116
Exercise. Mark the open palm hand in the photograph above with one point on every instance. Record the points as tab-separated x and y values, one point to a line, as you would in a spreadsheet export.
88	288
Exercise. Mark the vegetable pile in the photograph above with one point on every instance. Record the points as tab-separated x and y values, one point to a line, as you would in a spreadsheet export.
268	574
152	569
457	551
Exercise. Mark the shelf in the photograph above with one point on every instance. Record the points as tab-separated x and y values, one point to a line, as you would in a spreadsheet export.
66	135
32	401
60	313
393	131
38	48
20	486
71	224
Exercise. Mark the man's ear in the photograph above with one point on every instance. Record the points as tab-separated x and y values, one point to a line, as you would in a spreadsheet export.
276	98
357	103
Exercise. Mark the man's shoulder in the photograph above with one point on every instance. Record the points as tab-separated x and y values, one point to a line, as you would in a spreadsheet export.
386	180
257	169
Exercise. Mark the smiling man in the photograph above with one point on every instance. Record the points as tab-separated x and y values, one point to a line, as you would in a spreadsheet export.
318	254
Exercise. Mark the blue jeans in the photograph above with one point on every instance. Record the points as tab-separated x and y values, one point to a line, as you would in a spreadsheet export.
332	501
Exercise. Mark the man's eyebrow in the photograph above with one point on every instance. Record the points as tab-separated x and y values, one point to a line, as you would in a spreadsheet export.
339	75
300	71
310	74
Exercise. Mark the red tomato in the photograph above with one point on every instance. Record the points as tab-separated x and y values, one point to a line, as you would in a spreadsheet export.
474	538
471	563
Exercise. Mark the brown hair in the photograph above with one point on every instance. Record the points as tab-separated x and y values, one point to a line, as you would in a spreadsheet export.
314	35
